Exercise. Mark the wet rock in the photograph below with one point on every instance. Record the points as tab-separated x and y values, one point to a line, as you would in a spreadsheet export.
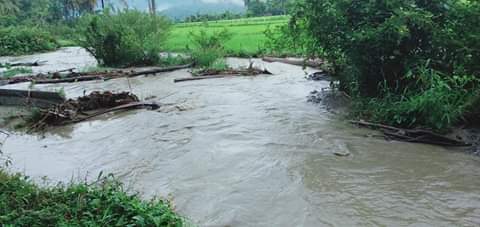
318	76
315	97
342	153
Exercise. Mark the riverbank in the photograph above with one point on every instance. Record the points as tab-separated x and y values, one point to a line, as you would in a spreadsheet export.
102	203
251	151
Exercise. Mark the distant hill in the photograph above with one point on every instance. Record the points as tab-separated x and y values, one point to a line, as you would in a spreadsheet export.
179	10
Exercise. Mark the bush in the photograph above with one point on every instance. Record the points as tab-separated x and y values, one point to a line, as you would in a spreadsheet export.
209	49
23	203
404	55
126	38
25	40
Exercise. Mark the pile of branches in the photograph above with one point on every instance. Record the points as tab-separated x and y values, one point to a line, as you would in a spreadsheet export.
250	71
86	107
221	73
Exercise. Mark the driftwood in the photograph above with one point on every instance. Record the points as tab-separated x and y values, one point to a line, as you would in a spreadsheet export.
25	64
413	135
87	107
214	73
160	70
310	63
202	78
72	77
128	106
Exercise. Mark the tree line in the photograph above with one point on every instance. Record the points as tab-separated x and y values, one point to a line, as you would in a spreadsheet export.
268	7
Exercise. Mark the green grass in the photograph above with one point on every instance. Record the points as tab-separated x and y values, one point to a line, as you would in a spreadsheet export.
248	36
15	71
23	203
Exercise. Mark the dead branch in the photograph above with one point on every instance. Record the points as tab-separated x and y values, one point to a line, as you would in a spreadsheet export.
202	78
413	135
25	64
160	70
128	106
299	62
73	77
87	107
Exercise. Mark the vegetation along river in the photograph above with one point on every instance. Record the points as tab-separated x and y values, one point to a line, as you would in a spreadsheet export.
251	152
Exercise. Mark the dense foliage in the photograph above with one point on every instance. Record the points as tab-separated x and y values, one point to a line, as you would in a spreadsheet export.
25	40
268	7
125	38
407	62
212	17
22	203
40	12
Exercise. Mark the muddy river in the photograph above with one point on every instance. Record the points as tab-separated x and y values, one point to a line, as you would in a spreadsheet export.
251	152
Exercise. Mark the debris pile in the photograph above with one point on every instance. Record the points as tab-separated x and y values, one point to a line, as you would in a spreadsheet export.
86	107
216	73
69	76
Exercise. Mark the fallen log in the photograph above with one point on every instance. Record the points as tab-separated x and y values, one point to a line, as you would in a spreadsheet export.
202	78
81	77
68	80
86	107
128	106
413	135
160	70
298	62
25	64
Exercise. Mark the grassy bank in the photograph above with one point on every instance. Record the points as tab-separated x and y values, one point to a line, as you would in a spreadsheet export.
23	203
248	36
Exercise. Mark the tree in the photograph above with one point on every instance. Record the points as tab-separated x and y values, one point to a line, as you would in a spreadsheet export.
152	6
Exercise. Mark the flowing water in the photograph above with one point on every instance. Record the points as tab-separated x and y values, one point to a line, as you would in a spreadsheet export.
253	152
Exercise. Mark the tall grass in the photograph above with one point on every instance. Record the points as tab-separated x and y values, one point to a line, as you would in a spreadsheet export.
105	203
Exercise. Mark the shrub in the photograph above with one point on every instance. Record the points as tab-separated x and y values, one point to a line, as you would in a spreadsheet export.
209	48
22	203
25	40
404	55
126	38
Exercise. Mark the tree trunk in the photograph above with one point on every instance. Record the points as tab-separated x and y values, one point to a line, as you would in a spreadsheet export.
154	7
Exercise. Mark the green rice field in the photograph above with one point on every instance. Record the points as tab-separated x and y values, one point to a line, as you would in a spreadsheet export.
248	36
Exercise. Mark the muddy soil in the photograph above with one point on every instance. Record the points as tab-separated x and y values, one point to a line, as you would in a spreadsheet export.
252	151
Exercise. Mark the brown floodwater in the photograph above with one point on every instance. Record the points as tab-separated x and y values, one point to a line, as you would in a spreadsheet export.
253	152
